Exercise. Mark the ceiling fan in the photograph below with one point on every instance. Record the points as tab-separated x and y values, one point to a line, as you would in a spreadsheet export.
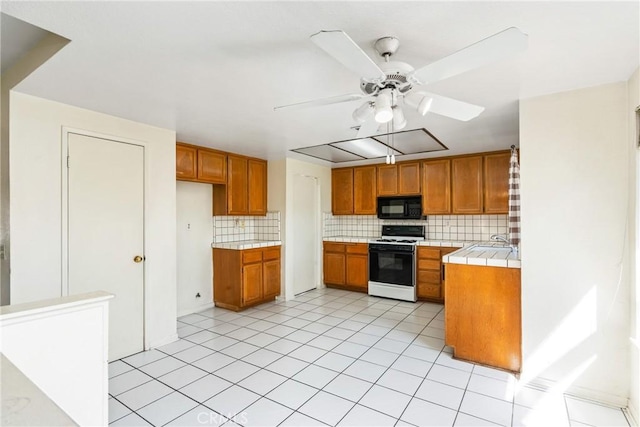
390	85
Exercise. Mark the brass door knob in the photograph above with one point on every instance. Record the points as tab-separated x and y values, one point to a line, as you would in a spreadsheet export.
137	258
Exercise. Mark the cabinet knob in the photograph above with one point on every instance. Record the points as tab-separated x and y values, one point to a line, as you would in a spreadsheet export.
138	258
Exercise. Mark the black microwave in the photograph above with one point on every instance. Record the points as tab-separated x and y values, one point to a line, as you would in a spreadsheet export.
400	207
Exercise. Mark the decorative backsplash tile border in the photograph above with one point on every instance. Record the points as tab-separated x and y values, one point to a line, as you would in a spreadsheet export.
238	228
438	227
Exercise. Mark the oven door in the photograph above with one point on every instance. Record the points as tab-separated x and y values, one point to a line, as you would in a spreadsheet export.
387	264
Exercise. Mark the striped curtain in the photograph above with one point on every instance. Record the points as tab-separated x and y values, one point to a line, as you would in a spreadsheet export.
514	199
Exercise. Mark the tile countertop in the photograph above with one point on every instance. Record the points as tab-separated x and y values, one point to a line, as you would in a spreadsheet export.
349	239
489	258
246	244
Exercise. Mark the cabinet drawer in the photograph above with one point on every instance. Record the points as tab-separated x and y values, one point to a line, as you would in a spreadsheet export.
429	264
271	253
429	253
253	255
360	248
429	276
429	291
334	247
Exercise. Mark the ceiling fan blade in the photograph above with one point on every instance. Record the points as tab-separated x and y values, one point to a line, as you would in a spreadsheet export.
368	128
445	106
324	101
491	49
339	45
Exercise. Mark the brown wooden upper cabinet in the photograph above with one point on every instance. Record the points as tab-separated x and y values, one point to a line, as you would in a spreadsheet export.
436	187
399	180
186	162
496	183
246	190
364	190
342	191
212	167
466	183
200	164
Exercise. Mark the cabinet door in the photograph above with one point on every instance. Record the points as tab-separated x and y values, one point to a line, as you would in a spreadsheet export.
185	162
436	187
387	180
251	283
409	178
212	167
334	268
496	183
257	187
467	185
237	185
342	191
271	279
357	271
364	190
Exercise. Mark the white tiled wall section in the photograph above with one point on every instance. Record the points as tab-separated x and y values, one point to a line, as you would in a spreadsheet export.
438	227
237	228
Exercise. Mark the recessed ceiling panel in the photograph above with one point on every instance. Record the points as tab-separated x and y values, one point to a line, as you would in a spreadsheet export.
368	148
410	142
413	141
327	152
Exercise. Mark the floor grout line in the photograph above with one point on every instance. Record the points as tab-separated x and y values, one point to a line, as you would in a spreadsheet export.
334	313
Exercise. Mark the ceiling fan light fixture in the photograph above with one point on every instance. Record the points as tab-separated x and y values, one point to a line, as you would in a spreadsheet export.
383	112
362	113
425	105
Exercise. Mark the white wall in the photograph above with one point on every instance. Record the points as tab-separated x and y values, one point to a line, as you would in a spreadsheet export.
633	91
38	55
575	290
61	346
35	203
194	266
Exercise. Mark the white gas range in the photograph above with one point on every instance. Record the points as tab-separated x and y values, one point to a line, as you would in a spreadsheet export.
392	262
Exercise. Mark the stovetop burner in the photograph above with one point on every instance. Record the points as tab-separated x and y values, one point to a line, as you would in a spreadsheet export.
401	234
406	241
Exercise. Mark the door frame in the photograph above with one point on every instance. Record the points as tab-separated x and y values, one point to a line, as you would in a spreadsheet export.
64	209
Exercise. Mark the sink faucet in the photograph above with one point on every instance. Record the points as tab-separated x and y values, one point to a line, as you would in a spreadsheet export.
503	239
499	238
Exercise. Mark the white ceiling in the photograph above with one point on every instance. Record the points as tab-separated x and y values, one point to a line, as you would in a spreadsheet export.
213	71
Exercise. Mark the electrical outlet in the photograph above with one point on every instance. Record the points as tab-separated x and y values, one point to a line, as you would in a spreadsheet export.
2	252
242	224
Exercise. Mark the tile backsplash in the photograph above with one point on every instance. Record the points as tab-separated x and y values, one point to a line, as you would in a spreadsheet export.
437	227
237	228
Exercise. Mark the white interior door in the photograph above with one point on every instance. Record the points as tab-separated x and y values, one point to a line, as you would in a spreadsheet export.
305	241
106	232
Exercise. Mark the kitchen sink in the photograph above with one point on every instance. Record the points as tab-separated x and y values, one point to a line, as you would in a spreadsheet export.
484	248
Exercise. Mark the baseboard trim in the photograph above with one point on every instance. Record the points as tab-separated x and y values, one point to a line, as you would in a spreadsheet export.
187	311
584	393
166	340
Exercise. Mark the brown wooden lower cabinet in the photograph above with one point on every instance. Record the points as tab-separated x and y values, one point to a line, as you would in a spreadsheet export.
346	266
483	316
430	273
244	278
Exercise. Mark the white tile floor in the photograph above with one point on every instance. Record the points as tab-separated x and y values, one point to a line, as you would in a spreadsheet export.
327	358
